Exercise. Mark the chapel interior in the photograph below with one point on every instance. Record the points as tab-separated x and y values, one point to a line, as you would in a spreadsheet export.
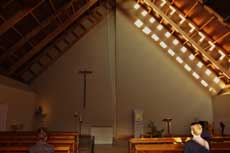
114	76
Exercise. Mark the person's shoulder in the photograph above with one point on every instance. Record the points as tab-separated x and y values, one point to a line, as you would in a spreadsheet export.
49	146
189	142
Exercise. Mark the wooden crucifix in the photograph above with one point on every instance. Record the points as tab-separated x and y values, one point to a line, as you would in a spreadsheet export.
84	73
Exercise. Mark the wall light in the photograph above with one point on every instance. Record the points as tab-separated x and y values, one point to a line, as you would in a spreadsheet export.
204	83
155	37
212	45
136	6
144	13
162	3
167	34
171	52
192	27
146	30
159	27
152	20
173	10
202	36
222	55
175	42
208	72
200	64
182	19
163	44
179	60
216	80
183	49
191	57
187	67
195	75
138	23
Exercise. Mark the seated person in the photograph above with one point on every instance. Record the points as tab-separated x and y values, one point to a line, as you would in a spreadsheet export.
42	146
205	134
197	144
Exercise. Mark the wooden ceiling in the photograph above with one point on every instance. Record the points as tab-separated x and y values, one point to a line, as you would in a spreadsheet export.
28	28
213	25
34	33
208	20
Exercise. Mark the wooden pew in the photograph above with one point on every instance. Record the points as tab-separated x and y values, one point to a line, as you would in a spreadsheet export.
163	140
28	138
169	140
23	149
159	148
28	143
178	148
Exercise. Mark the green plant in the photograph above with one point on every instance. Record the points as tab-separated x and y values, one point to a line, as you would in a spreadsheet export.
153	131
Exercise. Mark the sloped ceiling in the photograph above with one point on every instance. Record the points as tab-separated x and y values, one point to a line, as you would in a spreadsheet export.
28	28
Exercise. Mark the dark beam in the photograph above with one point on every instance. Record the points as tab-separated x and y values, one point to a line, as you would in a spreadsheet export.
54	10
17	17
31	34
50	37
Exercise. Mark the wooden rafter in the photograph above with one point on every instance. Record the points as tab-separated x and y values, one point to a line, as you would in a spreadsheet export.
50	37
21	35
215	63
54	10
189	11
7	3
31	34
16	18
73	8
207	22
222	37
36	19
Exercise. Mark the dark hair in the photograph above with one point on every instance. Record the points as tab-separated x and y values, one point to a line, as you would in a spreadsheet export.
42	129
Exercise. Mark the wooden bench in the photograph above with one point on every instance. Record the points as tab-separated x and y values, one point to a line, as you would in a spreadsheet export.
28	138
169	140
178	148
23	149
163	140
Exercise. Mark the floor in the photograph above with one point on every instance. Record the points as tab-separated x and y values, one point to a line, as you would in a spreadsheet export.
119	147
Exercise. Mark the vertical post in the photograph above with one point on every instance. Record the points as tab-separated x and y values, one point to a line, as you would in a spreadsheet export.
168	123
85	73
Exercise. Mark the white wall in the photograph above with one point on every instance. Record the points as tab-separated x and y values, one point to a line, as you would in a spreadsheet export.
148	79
144	77
61	86
221	105
21	101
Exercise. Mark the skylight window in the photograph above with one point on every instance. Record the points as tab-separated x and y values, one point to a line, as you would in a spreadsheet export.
146	30
163	44
138	23
175	42
155	37
171	52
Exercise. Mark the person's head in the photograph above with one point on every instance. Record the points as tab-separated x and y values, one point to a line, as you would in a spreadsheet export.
42	134
196	129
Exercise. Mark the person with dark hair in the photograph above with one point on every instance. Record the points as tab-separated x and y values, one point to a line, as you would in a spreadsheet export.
205	134
42	146
197	144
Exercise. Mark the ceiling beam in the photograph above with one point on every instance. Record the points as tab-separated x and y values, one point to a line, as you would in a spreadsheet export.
55	10
217	64
189	11
73	8
31	34
17	17
222	37
207	22
50	37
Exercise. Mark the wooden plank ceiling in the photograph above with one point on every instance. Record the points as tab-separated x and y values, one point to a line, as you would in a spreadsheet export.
34	33
211	23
